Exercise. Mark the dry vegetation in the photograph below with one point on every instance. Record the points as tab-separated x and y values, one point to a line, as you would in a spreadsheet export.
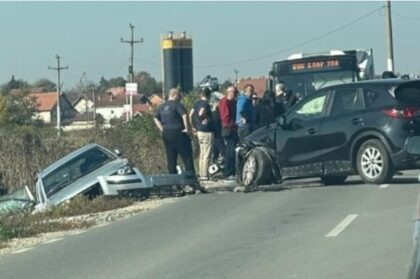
25	151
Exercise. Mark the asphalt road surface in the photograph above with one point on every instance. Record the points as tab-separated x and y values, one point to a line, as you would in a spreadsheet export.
307	231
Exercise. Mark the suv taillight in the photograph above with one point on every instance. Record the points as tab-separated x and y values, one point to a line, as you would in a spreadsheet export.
405	113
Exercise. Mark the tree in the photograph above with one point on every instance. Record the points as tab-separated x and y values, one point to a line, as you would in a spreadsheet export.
21	107
147	84
225	85
105	84
13	84
83	87
117	82
17	109
45	85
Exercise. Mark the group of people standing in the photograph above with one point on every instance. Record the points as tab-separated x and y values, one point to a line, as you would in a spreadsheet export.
218	126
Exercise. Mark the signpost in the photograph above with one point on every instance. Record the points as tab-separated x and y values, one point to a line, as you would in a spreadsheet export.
131	90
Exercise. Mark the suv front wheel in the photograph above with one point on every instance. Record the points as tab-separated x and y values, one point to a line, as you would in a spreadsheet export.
373	162
256	169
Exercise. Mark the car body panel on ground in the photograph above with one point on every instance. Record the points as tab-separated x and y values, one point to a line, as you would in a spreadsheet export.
19	200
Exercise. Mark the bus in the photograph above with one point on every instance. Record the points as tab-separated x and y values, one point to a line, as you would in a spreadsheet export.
304	73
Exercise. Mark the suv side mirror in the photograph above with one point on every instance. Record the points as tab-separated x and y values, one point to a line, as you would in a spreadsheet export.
296	124
281	121
118	152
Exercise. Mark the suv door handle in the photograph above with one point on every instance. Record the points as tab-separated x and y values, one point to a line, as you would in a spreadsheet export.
356	121
312	131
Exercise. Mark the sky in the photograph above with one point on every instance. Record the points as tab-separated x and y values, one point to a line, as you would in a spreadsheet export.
87	36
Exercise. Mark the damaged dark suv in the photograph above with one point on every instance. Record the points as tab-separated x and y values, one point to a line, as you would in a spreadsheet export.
366	128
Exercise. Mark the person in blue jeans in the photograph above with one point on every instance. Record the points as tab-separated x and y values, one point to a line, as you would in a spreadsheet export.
245	112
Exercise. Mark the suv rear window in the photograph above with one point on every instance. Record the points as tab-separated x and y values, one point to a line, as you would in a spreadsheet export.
408	92
378	98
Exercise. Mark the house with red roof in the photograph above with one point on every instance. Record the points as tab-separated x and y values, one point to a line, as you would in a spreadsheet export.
46	107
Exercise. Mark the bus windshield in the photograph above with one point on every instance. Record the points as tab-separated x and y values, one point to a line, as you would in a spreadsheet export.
304	84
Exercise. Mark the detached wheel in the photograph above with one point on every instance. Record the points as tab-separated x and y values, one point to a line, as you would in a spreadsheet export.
334	179
256	169
373	162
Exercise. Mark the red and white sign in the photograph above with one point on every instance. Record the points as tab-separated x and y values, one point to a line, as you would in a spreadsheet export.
131	89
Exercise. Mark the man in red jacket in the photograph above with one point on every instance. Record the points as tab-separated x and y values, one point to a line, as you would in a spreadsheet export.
227	109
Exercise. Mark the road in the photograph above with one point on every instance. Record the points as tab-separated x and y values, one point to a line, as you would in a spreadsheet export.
307	231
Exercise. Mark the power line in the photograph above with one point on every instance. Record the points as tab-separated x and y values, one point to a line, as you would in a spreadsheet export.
304	43
405	16
297	45
120	68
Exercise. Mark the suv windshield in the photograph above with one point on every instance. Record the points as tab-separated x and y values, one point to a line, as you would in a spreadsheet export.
74	169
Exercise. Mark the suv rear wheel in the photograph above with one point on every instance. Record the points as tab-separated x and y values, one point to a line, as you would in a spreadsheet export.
256	169
373	162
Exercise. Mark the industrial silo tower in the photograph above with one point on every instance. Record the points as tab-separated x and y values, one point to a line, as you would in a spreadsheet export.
177	62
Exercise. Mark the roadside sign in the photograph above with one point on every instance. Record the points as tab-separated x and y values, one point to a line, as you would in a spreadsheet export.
131	89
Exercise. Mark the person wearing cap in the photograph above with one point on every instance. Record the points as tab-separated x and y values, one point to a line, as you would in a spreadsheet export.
245	112
202	122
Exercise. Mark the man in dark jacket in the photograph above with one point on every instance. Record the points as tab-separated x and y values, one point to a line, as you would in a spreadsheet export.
202	121
265	113
172	120
284	99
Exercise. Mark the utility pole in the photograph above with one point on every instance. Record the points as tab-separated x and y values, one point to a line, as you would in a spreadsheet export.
83	84
94	105
236	76
58	69
131	67
389	44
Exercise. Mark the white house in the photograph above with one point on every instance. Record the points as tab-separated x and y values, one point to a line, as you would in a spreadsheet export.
83	104
111	106
47	110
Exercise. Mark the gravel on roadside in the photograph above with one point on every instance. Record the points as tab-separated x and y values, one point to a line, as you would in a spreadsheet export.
99	219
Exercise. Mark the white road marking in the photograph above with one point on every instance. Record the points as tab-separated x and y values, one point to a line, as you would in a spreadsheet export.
342	225
22	250
384	186
52	240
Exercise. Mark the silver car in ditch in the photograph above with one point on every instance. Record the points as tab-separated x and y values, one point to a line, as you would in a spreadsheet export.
91	170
